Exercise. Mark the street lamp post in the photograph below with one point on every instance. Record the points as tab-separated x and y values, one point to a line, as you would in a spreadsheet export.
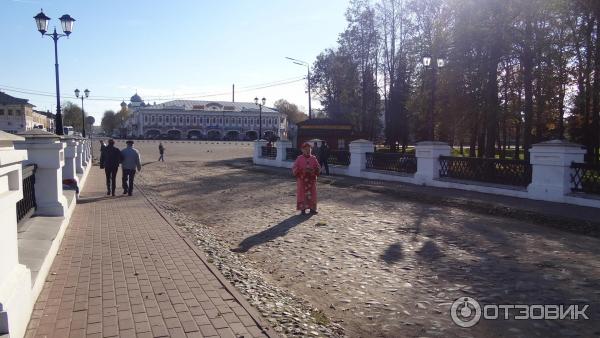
260	105
86	95
66	21
304	63
440	63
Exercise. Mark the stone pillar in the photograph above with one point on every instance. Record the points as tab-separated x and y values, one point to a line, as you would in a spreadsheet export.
82	152
551	169
46	150
88	150
258	144
15	279
72	160
428	163
282	146
358	157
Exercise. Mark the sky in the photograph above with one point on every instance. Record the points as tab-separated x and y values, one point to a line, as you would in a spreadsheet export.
166	50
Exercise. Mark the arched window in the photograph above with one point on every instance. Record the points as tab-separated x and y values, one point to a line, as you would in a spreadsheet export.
239	120
245	120
194	119
187	120
152	118
160	118
180	119
145	118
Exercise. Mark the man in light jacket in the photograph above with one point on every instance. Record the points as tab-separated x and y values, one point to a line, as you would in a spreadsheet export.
130	161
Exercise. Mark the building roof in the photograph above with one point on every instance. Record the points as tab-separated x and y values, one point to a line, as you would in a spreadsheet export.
45	113
7	99
205	105
136	98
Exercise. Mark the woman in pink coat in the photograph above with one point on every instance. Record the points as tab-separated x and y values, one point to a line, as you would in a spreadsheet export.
306	169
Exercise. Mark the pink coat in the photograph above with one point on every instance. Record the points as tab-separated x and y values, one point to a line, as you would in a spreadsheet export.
306	169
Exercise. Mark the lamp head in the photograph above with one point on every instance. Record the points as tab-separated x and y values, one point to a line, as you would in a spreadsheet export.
66	21
77	92
41	21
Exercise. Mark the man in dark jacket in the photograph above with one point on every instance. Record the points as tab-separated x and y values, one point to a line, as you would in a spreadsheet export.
110	158
323	156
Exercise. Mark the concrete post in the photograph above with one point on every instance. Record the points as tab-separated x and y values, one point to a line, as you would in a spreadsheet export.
81	160
46	150
88	150
428	164
258	144
82	153
72	161
282	146
15	279
358	157
551	169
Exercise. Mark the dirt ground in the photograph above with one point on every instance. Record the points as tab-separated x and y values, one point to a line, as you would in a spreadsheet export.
378	265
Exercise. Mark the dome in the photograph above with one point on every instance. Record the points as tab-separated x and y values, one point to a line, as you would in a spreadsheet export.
136	98
123	104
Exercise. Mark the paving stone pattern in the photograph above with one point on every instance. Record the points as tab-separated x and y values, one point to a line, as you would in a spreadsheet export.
122	271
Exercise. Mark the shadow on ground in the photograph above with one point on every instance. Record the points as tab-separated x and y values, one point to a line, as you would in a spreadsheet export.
271	233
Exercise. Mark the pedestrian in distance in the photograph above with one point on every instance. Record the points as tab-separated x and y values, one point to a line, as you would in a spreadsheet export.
110	158
323	156
306	169
130	161
161	151
102	146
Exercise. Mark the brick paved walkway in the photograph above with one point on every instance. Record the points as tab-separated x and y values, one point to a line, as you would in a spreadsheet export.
123	271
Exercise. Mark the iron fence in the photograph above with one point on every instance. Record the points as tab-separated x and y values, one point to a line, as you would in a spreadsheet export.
269	152
292	153
404	163
339	157
585	178
26	206
489	170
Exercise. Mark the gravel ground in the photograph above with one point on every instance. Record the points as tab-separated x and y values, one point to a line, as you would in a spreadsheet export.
370	263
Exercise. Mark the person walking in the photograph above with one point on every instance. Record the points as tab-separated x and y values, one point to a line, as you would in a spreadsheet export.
323	156
130	161
306	169
161	151
110	158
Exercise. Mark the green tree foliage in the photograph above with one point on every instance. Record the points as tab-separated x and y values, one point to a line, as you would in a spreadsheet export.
110	123
292	112
72	116
517	72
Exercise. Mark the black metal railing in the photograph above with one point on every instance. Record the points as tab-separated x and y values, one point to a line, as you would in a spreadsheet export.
403	163
339	157
489	170
585	178
292	153
268	152
26	206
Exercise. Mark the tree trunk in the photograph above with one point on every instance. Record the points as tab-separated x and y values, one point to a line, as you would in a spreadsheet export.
527	61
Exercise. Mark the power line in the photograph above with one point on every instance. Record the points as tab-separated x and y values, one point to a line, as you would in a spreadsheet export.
156	98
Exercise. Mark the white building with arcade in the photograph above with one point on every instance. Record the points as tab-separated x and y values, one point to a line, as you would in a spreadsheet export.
213	120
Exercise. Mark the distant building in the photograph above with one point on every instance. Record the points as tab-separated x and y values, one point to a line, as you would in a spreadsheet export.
191	119
17	115
337	134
